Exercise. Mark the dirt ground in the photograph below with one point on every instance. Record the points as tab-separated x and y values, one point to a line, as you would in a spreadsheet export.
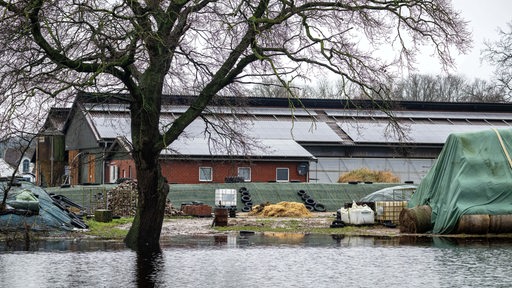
203	226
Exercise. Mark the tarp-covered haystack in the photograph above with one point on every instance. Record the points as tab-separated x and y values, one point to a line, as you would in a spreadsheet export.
281	209
472	176
31	207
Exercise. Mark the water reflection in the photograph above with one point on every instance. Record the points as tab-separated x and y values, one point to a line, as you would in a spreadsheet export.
263	260
248	239
149	267
68	245
245	239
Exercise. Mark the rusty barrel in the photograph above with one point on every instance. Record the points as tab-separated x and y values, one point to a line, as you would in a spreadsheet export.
221	216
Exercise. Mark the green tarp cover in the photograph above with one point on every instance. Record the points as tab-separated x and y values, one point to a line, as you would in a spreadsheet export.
50	216
472	175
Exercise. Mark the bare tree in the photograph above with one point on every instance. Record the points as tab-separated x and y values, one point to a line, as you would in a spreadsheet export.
147	48
483	91
499	54
450	88
418	87
270	88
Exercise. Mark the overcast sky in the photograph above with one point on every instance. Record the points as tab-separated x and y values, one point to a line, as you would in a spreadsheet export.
485	17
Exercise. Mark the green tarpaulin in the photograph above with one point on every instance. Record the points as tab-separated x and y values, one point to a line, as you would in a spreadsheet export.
472	175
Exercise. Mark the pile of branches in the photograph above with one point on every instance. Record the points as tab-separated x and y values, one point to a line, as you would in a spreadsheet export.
122	200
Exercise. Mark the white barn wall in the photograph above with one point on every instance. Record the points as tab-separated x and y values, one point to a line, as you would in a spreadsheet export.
328	170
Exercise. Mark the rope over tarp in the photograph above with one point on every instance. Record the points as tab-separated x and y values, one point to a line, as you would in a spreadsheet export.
503	146
468	178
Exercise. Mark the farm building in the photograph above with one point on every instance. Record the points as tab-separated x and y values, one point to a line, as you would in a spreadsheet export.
278	140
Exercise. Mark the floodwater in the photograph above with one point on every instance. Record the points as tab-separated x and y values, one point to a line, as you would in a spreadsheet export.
262	260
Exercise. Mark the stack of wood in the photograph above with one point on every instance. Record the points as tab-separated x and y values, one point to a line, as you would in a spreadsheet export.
122	200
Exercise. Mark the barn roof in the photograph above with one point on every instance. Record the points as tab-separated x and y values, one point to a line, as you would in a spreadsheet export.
286	125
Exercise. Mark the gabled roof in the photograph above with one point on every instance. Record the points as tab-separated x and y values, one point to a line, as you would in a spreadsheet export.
418	133
261	148
55	120
6	169
311	122
121	144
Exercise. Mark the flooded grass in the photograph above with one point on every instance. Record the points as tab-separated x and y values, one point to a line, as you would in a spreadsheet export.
108	230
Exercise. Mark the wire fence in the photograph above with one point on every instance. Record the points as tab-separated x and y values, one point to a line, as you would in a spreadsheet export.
92	198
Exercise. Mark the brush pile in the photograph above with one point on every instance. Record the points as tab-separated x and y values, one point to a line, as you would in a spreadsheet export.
122	200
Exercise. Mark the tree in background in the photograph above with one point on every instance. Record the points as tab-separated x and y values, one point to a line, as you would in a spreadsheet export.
450	88
202	47
499	54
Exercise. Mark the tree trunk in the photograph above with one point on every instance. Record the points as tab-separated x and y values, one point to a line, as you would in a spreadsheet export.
144	234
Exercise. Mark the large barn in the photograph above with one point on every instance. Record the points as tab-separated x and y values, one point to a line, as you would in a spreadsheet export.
278	140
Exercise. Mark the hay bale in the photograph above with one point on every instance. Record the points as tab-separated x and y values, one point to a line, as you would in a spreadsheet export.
500	224
416	220
281	209
473	224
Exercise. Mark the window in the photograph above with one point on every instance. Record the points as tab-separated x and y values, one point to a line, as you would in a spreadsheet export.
114	173
26	166
245	173
282	174
205	174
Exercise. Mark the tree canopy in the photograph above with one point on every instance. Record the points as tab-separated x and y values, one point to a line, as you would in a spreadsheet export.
206	47
499	54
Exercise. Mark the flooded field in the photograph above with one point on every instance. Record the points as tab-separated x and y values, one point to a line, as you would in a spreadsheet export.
263	260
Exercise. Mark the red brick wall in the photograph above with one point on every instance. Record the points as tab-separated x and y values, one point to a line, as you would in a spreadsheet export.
126	169
187	172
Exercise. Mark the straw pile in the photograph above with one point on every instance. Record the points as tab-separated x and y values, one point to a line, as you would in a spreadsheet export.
281	209
367	175
416	220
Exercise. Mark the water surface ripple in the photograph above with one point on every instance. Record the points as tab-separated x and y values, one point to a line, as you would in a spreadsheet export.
256	262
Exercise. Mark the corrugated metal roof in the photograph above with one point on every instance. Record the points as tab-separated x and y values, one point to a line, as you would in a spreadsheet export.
245	110
381	132
299	131
267	148
421	114
112	125
112	122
